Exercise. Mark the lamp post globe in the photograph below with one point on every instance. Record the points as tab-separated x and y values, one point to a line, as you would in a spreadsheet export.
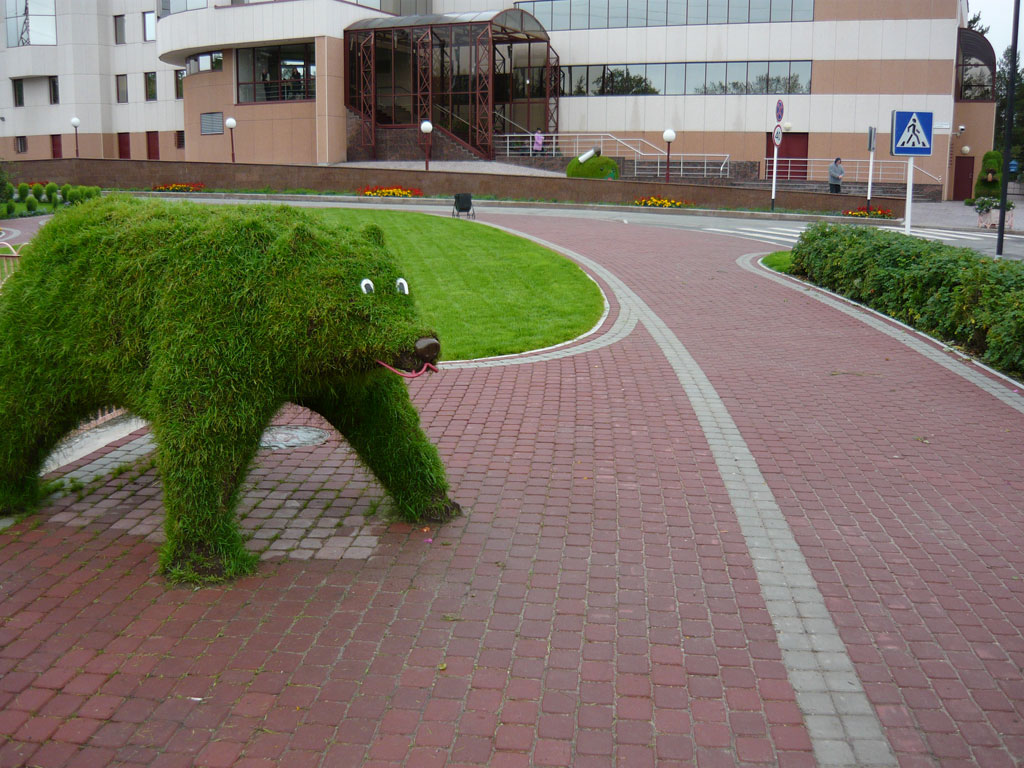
426	128
230	124
669	136
75	122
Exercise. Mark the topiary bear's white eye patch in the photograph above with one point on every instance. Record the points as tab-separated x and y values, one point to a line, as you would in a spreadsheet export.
401	286
367	285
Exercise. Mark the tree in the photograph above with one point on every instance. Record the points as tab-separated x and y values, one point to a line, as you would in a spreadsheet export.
975	23
1002	93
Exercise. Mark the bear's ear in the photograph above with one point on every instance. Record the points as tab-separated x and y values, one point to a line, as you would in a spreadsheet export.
372	234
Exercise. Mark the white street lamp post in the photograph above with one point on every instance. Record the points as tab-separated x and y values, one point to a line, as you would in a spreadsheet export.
75	122
231	123
669	136
426	128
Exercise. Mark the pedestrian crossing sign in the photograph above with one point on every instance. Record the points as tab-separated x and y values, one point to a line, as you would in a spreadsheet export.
911	134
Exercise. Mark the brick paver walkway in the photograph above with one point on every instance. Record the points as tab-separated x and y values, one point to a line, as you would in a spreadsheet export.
752	530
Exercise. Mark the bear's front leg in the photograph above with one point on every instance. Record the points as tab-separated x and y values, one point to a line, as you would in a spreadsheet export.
203	455
379	421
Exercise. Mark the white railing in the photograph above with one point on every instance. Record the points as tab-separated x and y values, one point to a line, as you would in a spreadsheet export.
816	169
648	158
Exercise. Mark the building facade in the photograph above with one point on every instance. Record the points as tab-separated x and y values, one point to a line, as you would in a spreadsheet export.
313	81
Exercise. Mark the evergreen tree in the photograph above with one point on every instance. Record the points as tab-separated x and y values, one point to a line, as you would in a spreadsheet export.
1002	94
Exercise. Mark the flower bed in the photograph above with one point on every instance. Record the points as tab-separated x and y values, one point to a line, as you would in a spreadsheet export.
662	202
187	186
874	213
389	192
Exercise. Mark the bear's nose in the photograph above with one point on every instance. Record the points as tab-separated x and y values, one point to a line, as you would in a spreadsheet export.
428	349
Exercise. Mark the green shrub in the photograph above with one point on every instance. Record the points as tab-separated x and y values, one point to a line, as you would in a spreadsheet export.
8	192
64	191
969	201
10	207
951	293
205	320
597	167
31	203
6	189
75	195
22	191
991	163
51	191
37	191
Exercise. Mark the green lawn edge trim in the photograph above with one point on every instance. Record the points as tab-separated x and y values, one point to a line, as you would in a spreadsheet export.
779	261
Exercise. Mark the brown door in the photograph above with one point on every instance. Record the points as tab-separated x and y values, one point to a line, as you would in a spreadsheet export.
55	147
963	178
153	145
792	155
124	146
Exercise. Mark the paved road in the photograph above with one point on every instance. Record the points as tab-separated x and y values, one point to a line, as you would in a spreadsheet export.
742	524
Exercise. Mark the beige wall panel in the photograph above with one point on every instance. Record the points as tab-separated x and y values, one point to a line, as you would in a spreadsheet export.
979	120
331	115
886	77
845	10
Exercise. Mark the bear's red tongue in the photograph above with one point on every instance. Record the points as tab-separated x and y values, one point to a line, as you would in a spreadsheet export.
426	367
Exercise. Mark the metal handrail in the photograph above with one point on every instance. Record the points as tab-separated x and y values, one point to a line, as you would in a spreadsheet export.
816	169
648	159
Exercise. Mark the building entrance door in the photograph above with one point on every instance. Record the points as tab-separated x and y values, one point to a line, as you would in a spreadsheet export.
56	151
963	178
792	156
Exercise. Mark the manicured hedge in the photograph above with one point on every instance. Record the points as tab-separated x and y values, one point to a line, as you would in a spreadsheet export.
954	294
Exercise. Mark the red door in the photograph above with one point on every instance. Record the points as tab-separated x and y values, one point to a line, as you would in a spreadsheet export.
963	178
55	147
124	146
153	145
792	155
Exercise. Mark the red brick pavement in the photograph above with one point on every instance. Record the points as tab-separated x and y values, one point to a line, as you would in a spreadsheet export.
597	605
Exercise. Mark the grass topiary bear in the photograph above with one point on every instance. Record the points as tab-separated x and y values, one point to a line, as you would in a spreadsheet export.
991	168
205	320
596	167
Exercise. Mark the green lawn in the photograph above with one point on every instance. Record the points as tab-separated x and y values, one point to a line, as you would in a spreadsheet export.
484	291
780	261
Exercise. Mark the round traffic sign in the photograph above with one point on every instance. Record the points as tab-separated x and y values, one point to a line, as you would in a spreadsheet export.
777	136
779	111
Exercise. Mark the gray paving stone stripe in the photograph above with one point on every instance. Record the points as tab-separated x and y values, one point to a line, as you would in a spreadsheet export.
901	333
816	659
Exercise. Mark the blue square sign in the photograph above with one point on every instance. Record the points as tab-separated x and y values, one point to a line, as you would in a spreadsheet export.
911	134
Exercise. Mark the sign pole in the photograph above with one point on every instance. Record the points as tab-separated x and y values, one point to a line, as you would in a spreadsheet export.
871	163
910	194
775	172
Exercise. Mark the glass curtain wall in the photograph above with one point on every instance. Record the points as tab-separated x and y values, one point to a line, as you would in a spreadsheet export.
606	14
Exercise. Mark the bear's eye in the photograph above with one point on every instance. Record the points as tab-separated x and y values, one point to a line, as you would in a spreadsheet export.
401	286
367	285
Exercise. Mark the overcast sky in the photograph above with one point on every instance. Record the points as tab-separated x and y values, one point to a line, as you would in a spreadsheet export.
997	15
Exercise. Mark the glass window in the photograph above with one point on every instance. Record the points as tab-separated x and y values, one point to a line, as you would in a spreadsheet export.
168	7
757	77
637	13
695	82
150	81
778	77
736	75
205	62
782	10
179	84
800	77
738	11
595	75
697	12
211	123
676	13
121	81
803	10
542	12
656	13
718	11
656	77
288	72
675	79
54	90
716	77
579	14
119	30
560	14
20	144
19	92
599	14
616	13
760	10
31	23
149	26
179	139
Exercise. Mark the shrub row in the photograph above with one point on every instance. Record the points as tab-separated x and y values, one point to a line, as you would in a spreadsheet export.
33	197
954	294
